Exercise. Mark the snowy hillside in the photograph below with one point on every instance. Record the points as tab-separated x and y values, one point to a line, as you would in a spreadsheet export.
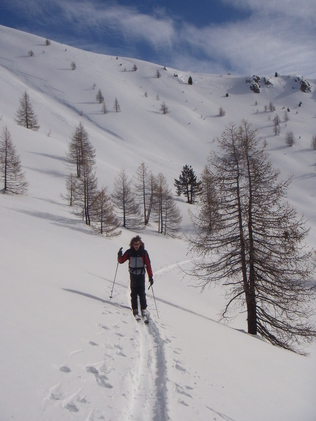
68	351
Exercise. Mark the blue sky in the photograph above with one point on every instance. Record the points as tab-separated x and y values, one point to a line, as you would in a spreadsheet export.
243	37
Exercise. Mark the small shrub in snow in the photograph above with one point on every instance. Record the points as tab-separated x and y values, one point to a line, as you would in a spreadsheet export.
99	97
104	109
164	109
289	139
116	107
221	112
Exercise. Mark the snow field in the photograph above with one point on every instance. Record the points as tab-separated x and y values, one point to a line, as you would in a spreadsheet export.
68	351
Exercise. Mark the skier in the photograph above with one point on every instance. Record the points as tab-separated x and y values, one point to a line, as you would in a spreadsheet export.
138	262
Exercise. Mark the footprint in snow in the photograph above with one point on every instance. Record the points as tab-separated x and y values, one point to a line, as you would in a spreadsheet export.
65	369
181	391
55	393
71	407
178	367
120	349
100	378
183	403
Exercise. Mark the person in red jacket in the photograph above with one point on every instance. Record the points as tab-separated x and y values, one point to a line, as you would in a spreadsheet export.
139	262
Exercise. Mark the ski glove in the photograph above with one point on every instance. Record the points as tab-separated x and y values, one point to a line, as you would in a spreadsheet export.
151	281
120	253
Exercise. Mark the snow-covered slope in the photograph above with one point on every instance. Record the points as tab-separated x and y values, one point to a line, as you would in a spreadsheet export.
68	351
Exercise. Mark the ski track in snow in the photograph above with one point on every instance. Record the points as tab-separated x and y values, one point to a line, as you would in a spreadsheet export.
158	273
135	383
148	401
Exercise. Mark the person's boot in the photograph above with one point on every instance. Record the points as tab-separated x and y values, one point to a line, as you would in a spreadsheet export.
136	315
144	316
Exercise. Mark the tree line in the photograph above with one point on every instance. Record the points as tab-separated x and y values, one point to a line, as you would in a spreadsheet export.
133	202
149	198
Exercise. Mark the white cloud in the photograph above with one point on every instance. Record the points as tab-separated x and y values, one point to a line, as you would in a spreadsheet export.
265	42
158	31
257	46
277	35
303	9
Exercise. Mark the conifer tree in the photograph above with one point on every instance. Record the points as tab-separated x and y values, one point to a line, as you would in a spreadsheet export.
124	200
25	115
165	210
116	106
188	184
99	97
206	219
80	150
71	187
81	155
103	215
13	179
86	190
144	190
256	246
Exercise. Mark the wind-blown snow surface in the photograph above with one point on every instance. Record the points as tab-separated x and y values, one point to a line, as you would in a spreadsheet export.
68	351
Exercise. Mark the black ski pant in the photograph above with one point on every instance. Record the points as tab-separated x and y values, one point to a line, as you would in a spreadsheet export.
138	290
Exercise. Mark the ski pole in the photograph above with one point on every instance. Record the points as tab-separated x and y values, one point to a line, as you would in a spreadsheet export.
111	296
150	286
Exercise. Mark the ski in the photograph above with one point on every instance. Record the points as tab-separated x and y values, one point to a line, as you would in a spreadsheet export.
139	318
145	317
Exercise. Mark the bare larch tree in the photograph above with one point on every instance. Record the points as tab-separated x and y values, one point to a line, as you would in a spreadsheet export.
25	115
103	215
165	210
144	191
80	150
256	246
124	200
207	217
81	155
99	97
13	179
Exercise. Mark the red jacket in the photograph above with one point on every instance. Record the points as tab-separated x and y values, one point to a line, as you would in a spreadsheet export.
138	261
